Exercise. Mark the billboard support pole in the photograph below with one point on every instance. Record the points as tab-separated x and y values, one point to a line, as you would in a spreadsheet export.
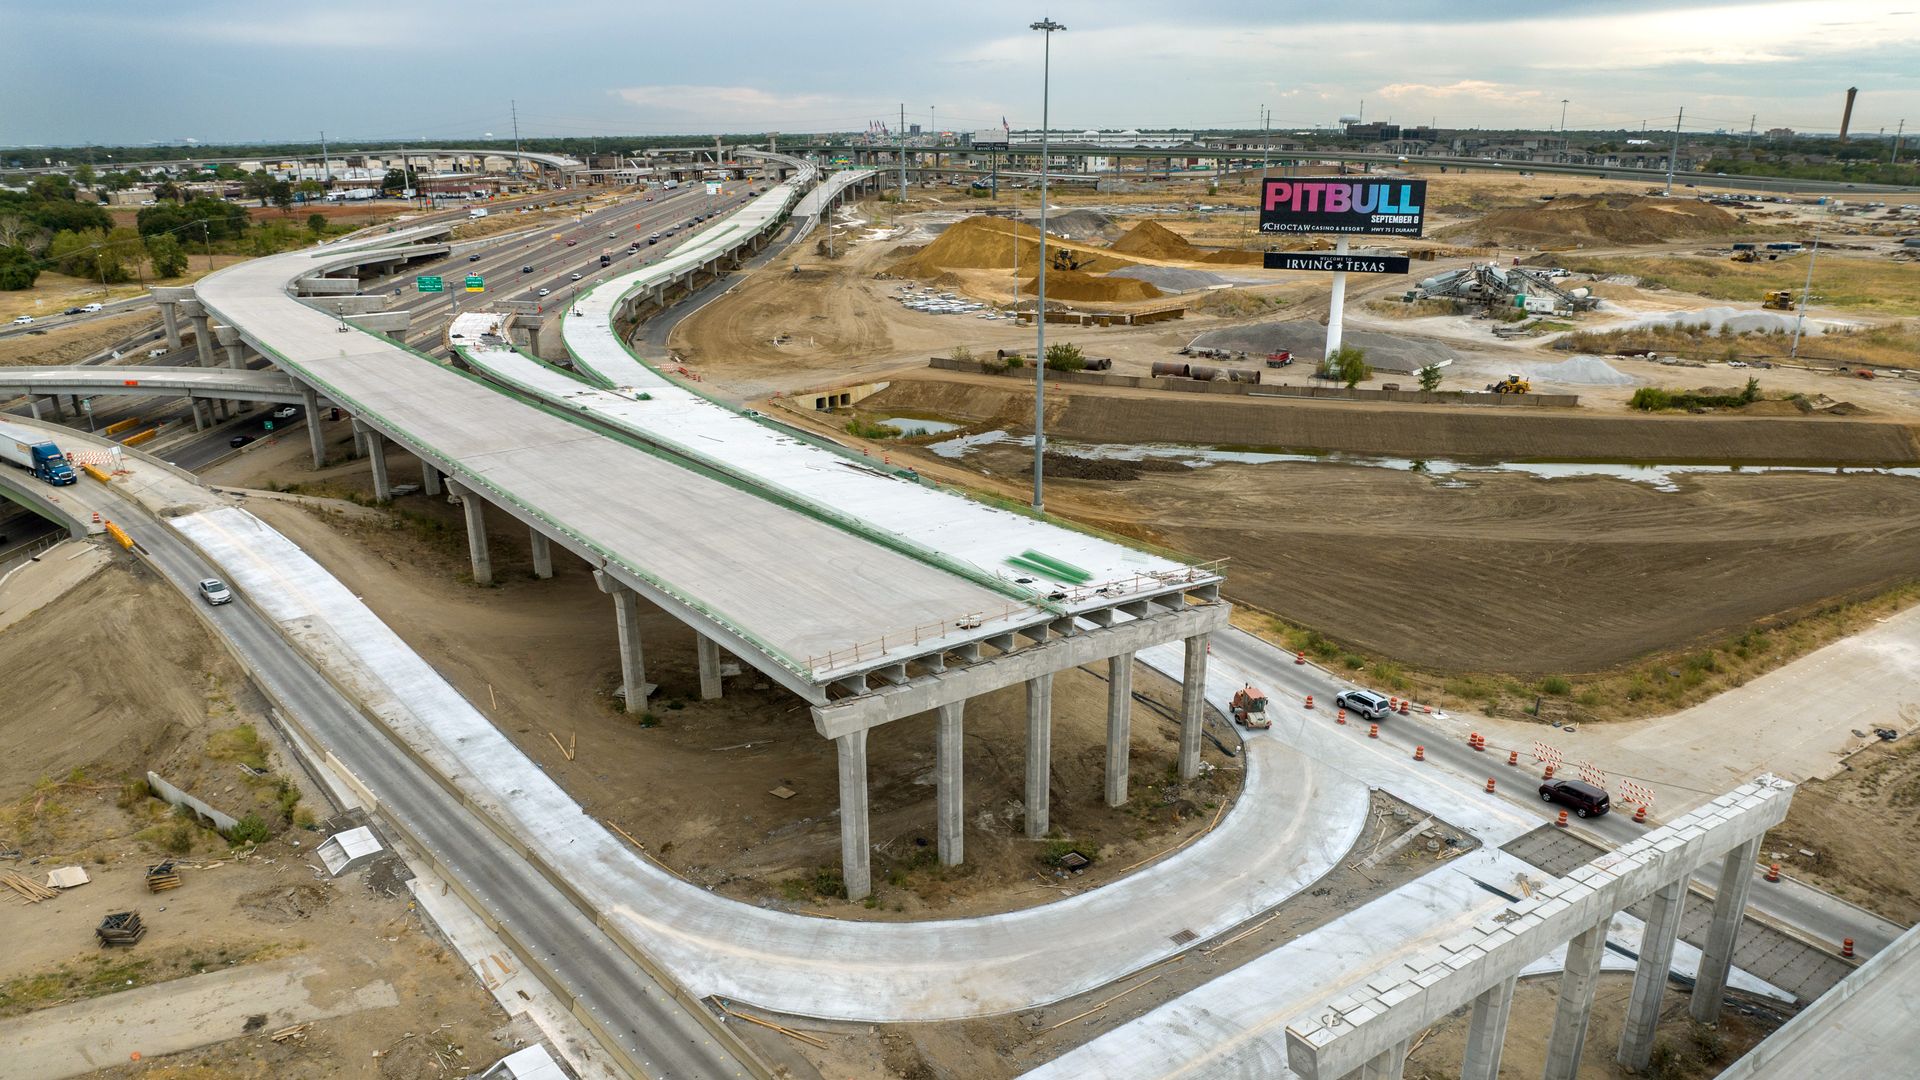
1338	302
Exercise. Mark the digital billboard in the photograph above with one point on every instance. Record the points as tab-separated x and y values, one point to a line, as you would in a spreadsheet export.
1387	207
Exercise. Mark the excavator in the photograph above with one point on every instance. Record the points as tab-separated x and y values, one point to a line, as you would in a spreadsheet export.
1512	384
1250	708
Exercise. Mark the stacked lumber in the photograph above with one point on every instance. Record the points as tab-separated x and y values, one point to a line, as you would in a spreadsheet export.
120	928
163	877
26	888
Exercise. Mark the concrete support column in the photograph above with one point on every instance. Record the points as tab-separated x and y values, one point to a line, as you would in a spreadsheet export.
1039	752
709	653
1729	907
33	406
170	318
1650	976
1193	705
854	867
476	511
203	339
1578	979
429	479
377	454
1387	1065
75	399
950	778
542	552
59	410
359	440
1119	725
633	659
193	406
1487	1033
310	404
236	356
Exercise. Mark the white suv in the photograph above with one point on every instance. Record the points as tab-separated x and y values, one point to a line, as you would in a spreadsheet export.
1363	703
24	320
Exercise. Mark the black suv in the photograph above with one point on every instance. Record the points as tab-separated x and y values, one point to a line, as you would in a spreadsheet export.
1585	799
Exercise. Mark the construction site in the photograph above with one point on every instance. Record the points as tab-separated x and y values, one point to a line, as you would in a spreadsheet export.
1603	487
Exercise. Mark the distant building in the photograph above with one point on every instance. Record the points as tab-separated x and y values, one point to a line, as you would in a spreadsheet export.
1779	133
1129	139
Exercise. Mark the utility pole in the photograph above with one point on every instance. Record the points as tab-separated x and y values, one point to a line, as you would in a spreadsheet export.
1894	157
1046	26
900	145
1673	158
1750	122
1266	143
326	163
1800	319
515	106
1563	116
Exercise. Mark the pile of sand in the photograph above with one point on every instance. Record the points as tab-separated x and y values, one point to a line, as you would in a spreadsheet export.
1084	287
986	243
1152	240
1583	220
1155	241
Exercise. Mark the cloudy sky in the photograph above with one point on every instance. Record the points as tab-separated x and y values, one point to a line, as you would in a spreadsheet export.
132	71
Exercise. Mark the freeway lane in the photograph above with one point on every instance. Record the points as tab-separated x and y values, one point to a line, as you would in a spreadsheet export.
656	1030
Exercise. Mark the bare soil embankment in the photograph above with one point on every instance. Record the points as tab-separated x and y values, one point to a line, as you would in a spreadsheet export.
1467	433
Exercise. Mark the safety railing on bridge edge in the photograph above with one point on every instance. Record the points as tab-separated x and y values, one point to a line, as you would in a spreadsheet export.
824	664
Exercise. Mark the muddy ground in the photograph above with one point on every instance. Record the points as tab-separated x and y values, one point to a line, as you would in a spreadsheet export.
694	782
1852	834
118	676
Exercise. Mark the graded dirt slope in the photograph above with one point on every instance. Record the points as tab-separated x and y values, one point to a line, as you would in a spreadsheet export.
1075	285
1597	220
1156	241
989	243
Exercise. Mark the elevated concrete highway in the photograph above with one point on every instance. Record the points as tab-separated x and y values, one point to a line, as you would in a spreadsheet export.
815	205
197	383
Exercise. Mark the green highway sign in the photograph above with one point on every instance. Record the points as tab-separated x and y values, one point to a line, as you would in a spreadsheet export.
428	283
476	283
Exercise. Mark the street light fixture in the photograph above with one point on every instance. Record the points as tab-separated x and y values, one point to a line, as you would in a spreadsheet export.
1045	26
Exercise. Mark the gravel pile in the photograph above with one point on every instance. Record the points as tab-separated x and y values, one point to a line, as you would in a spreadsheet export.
1173	278
1581	371
1308	339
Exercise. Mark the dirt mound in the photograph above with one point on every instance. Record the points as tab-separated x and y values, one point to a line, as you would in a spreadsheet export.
1086	225
984	243
1235	257
1075	467
1077	285
1155	241
286	903
1596	219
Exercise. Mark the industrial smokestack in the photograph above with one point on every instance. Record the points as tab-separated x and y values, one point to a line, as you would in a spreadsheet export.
1846	116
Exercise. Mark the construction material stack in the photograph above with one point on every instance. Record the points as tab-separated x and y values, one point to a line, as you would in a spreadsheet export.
121	928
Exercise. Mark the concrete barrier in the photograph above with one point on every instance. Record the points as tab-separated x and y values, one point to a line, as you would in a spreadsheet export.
1223	386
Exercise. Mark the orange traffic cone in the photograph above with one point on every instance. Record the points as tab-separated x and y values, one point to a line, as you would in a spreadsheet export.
1419	753
1309	701
1489	785
1640	814
1373	731
1563	819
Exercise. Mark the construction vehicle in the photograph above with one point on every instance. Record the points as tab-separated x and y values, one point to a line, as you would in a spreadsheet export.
1282	358
1778	300
1512	384
1744	255
1250	708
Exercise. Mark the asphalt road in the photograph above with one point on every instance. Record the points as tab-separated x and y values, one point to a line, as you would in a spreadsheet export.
1813	913
656	1030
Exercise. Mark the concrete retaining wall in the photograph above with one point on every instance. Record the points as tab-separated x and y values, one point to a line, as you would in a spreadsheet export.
1335	393
1231	419
220	818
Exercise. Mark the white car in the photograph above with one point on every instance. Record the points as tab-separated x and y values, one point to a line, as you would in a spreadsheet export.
216	591
24	320
91	308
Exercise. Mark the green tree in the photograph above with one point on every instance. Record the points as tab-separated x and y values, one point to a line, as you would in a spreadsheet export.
258	185
119	181
229	171
18	268
310	189
1430	378
51	187
394	182
18	232
119	256
317	224
1065	356
76	254
85	176
169	259
1348	364
169	191
282	193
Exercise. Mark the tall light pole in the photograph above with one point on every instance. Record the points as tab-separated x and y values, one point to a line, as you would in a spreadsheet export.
1563	116
1673	157
1046	27
1800	320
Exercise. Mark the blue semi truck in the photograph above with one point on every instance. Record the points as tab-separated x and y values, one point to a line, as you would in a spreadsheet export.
34	452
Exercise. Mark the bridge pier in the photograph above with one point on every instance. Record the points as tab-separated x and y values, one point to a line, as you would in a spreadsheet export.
1119	725
1487	1032
633	661
1729	905
475	508
429	479
1039	753
310	404
1579	977
170	319
203	339
377	454
709	653
542	551
1650	974
1193	704
856	868
950	777
193	406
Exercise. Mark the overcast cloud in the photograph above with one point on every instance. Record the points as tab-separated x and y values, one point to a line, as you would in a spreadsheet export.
118	71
